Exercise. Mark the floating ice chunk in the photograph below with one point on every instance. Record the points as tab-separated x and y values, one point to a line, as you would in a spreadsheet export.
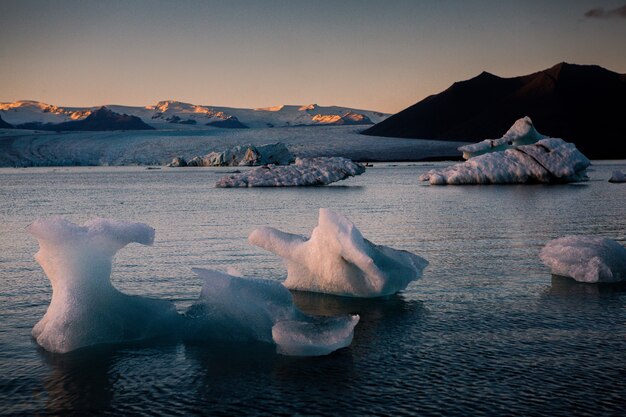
338	260
241	155
85	308
547	161
586	258
242	309
307	171
617	176
521	133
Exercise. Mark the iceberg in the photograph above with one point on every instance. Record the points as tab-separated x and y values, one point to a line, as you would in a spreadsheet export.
245	309
549	160
85	308
617	177
338	260
305	172
589	259
241	155
521	133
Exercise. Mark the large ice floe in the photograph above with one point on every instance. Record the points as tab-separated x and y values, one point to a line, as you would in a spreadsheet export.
263	310
304	172
589	259
521	156
241	155
87	310
338	260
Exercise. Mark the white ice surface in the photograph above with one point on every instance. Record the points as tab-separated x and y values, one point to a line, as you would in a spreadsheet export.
548	160
304	172
245	309
521	133
85	308
589	259
337	259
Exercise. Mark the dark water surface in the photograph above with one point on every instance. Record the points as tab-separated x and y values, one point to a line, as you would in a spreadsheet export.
487	331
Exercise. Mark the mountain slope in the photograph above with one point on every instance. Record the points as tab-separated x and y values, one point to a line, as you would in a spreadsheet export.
584	104
5	125
98	120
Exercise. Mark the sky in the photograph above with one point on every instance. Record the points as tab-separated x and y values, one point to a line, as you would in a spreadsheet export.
375	55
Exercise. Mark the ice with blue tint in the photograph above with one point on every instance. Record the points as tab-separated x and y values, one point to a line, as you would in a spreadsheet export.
86	309
338	260
247	309
590	259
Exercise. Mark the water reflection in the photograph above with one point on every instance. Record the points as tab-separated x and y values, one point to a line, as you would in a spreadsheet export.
569	288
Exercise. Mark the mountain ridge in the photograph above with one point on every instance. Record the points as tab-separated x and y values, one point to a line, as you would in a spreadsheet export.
583	104
180	115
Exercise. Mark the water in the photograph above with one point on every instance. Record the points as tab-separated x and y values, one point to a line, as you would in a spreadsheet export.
486	331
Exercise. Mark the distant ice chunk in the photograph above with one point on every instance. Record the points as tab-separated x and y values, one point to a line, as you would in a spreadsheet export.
617	176
243	309
305	172
547	161
85	308
521	133
242	155
586	258
337	259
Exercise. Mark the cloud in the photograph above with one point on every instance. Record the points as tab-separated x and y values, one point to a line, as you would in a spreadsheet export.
601	13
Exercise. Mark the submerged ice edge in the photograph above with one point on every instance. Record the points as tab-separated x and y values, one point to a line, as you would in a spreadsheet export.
86	309
338	260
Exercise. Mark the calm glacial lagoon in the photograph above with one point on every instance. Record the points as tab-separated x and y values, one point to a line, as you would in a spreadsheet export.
486	331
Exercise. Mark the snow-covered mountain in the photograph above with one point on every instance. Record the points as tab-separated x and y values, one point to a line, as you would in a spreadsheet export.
177	114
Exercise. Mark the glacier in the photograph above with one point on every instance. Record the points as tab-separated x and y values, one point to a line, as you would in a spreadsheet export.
86	309
245	309
547	160
338	260
304	172
590	259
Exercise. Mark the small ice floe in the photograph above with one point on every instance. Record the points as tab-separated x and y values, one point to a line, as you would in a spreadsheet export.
85	308
338	260
519	157
586	258
241	155
305	172
617	176
245	309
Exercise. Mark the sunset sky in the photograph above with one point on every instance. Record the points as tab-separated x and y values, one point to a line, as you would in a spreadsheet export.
379	55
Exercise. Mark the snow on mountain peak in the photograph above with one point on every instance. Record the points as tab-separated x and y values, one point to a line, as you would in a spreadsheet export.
308	107
273	108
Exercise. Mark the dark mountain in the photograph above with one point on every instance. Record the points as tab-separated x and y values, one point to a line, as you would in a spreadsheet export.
229	123
98	120
5	125
583	104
